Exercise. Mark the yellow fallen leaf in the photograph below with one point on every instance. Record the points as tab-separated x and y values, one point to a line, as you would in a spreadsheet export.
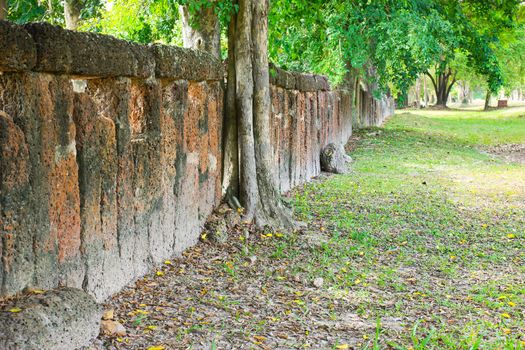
108	314
259	338
167	262
511	236
357	281
511	304
15	310
38	291
160	273
506	330
505	315
342	346
151	327
157	347
365	337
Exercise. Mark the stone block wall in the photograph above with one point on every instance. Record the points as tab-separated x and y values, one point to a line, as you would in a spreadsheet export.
110	152
306	116
102	178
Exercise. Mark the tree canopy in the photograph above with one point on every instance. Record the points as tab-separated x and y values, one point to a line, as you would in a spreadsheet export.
389	42
395	40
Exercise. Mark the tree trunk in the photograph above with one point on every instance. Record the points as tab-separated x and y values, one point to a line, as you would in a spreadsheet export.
72	10
248	161
442	86
464	93
271	210
487	101
418	93
3	9
249	194
230	175
426	90
201	30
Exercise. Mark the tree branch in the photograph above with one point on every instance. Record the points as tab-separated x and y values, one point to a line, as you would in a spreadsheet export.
432	79
452	84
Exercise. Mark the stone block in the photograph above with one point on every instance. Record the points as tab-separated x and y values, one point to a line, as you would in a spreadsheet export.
65	318
18	50
83	54
172	62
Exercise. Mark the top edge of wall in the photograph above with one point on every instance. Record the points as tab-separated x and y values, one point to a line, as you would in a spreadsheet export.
298	81
42	47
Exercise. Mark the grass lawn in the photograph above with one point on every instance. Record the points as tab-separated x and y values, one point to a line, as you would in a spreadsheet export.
421	246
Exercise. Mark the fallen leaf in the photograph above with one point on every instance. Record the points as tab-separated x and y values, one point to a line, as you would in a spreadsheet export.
112	328
342	346
108	314
15	310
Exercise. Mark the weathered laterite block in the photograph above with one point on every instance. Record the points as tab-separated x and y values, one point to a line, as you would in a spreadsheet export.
18	50
63	51
173	62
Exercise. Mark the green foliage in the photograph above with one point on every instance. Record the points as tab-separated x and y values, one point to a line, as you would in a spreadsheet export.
389	42
143	21
52	11
24	11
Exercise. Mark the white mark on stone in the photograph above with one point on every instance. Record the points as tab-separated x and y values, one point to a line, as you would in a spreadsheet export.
212	161
193	158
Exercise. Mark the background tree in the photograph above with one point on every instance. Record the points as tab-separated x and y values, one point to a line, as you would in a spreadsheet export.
3	9
204	32
72	9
